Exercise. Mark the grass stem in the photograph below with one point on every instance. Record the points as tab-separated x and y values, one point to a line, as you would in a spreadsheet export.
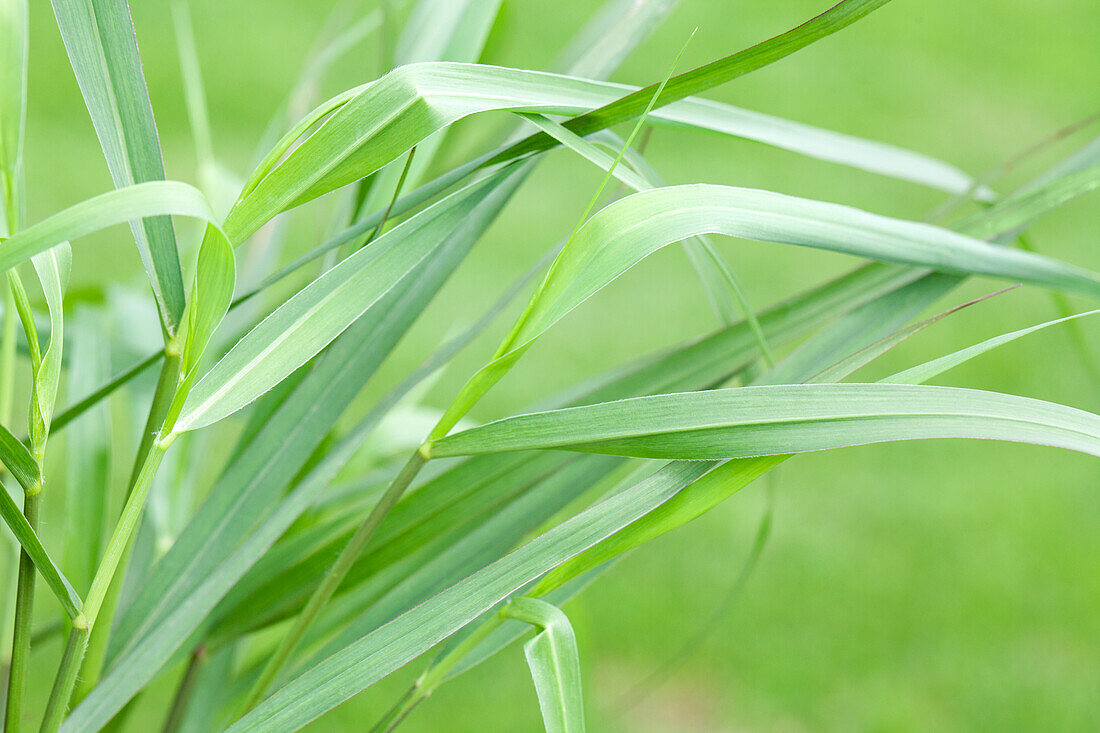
100	635
58	703
24	612
7	354
100	595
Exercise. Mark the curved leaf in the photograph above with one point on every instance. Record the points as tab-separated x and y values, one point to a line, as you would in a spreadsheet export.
769	420
554	662
107	209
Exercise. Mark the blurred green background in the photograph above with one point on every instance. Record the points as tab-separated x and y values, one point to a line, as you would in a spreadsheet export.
944	586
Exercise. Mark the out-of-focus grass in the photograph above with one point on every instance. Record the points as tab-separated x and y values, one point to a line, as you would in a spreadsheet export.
947	586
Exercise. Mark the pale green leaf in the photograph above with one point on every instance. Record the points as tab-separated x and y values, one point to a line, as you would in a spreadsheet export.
19	461
318	313
99	38
99	212
769	420
554	661
53	267
923	372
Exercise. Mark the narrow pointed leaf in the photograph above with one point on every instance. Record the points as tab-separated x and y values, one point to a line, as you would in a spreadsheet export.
99	38
19	461
361	664
53	267
26	536
756	421
318	313
100	212
923	372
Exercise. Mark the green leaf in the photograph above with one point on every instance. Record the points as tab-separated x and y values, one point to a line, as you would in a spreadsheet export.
211	294
99	38
216	548
99	212
723	289
707	76
696	499
26	536
769	420
380	652
318	313
628	230
53	267
554	662
931	369
19	461
1014	211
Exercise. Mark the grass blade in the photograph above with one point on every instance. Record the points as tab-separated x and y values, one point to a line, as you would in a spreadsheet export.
398	642
32	545
99	212
931	369
99	38
767	420
19	461
317	314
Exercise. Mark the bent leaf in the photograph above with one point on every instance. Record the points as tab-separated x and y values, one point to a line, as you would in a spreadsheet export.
107	209
554	662
929	370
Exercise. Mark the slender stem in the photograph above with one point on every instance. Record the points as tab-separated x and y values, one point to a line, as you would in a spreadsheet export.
124	532
334	577
58	703
185	690
100	634
24	610
116	549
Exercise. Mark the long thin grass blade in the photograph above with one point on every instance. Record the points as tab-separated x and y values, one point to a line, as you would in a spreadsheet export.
99	212
931	369
768	420
365	128
32	545
99	38
318	313
19	461
52	267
